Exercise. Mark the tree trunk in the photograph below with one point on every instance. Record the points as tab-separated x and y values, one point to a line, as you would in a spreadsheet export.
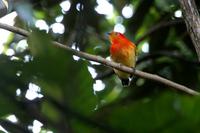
192	20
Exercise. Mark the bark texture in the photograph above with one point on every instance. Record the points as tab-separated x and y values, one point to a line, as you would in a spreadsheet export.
192	20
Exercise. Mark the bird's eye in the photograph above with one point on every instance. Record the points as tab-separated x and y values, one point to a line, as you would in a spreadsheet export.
116	33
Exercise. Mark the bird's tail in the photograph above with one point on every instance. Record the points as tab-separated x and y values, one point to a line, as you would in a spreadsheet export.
125	82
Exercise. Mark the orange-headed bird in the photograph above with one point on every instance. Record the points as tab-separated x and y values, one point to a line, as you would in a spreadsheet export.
122	51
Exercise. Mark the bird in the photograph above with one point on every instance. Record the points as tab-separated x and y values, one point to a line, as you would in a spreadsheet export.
122	51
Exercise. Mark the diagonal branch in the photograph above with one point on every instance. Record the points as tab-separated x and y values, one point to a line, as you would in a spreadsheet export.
170	54
157	27
155	55
103	61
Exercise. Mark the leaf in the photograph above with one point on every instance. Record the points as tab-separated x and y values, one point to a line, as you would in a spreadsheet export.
60	76
161	113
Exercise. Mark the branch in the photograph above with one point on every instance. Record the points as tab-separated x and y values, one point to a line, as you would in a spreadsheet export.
192	20
14	29
153	56
171	54
111	64
157	27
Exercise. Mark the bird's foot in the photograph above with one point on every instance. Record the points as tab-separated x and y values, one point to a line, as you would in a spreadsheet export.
133	71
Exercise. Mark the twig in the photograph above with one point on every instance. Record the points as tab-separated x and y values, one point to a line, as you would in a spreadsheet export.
14	29
101	60
172	54
157	27
192	20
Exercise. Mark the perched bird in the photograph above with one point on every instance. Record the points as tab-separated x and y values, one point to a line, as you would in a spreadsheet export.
122	51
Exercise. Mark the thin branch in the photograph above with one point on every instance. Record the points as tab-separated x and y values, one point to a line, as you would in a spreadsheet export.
171	54
14	29
157	27
192	20
118	66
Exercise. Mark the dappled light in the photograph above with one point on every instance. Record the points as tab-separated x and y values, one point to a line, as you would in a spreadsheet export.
92	71
119	28
10	20
65	5
14	58
98	85
42	25
27	58
19	73
36	127
10	52
33	92
104	7
145	47
128	11
59	18
58	28
79	7
21	46
3	129
18	92
76	58
94	63
12	118
178	14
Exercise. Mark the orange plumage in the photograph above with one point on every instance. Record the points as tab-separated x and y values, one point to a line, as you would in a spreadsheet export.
122	51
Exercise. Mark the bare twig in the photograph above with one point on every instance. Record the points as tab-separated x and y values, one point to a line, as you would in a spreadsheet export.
192	20
111	64
14	29
157	27
172	54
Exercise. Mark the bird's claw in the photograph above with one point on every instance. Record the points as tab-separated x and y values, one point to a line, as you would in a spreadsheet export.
133	69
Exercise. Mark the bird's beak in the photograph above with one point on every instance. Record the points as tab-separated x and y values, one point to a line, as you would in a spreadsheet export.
108	33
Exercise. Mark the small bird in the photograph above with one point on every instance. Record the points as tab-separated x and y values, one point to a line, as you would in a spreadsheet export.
122	51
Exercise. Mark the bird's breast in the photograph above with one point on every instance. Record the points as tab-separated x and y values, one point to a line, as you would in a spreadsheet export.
124	54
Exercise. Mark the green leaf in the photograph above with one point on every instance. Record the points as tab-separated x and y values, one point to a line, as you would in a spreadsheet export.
60	76
163	112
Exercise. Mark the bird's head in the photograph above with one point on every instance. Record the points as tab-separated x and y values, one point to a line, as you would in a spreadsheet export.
115	35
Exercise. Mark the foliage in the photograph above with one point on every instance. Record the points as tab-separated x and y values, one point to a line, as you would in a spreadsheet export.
66	96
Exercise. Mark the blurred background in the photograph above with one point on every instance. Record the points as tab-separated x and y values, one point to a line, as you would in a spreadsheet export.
44	89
